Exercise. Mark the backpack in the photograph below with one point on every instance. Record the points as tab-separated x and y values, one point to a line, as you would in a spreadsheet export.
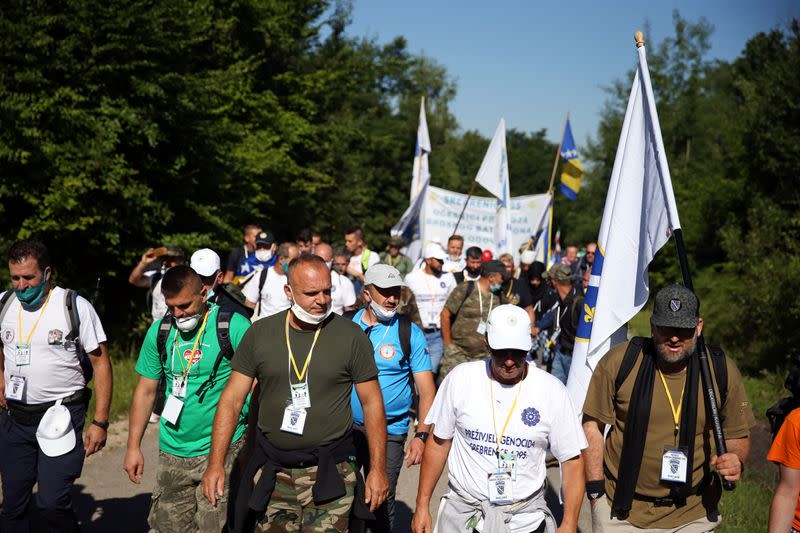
223	337
778	412
73	323
636	345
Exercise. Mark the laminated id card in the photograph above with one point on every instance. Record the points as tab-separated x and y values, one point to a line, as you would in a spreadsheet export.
481	329
178	387
501	487
172	409
16	388
294	420
674	463
22	354
301	397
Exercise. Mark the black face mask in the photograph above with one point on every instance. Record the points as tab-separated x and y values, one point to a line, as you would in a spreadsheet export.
474	272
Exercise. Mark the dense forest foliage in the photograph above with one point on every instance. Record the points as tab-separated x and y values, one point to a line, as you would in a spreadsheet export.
131	124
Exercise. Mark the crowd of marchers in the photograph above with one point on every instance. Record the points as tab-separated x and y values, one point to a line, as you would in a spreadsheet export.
292	383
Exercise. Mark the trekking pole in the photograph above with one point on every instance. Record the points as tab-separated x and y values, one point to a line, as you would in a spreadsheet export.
705	368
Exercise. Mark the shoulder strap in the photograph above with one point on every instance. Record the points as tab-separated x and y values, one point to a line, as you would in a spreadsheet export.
404	332
467	292
718	359
262	280
164	325
365	259
74	324
5	303
225	348
635	346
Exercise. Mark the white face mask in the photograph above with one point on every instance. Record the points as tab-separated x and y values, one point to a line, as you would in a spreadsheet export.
263	255
188	323
309	318
381	313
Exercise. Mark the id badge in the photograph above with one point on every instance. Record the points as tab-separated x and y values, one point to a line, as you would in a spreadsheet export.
178	387
674	463
481	329
294	420
16	388
501	489
507	460
22	354
172	409
301	397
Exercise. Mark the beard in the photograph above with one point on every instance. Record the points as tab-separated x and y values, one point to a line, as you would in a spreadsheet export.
668	357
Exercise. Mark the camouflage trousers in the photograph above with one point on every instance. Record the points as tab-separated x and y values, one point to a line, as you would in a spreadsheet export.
454	356
178	504
292	508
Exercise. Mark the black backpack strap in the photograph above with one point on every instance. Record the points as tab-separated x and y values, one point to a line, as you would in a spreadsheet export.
225	348
718	359
262	279
467	292
5	303
404	332
73	335
635	346
164	325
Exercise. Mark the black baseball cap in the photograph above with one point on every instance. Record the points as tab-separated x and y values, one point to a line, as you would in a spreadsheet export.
265	237
676	307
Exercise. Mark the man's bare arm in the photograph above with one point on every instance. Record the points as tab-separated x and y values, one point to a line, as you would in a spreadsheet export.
573	487
377	483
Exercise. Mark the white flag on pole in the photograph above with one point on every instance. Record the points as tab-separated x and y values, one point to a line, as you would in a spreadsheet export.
493	175
639	216
420	173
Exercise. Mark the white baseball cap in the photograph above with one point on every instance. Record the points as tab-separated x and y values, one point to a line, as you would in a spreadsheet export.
55	433
527	257
383	276
434	250
205	262
509	327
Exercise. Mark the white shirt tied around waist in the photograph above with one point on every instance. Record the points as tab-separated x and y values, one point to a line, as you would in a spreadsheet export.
54	371
431	293
544	417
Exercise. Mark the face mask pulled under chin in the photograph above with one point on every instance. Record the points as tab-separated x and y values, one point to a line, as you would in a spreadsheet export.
309	318
381	313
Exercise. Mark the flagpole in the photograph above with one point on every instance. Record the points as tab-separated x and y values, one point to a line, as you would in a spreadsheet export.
471	190
558	157
702	356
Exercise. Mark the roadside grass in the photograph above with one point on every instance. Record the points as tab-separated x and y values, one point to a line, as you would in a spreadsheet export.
125	379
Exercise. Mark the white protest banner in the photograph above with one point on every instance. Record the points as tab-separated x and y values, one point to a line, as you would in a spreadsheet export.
441	209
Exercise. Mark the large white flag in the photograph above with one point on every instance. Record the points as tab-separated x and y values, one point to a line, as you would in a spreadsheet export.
493	175
638	219
420	173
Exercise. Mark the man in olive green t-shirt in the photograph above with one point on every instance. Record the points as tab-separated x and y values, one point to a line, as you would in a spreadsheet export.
188	359
307	361
673	488
465	315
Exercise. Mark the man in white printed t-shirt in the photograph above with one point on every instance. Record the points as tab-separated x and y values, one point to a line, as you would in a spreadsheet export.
264	293
499	488
343	294
52	339
431	287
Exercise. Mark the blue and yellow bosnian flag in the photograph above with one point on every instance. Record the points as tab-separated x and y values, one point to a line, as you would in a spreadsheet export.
572	174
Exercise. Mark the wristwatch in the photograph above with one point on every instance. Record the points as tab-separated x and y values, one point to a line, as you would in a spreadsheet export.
101	425
421	435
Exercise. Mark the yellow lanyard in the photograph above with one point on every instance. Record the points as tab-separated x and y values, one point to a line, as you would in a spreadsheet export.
300	375
194	348
510	411
396	260
510	286
676	413
19	319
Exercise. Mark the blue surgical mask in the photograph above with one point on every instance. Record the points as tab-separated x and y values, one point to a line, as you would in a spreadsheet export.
495	287
286	268
29	296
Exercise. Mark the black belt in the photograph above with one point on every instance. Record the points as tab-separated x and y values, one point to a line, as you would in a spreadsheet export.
665	501
31	414
431	330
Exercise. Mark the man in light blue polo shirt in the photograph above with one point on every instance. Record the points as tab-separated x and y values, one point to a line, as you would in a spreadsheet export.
397	370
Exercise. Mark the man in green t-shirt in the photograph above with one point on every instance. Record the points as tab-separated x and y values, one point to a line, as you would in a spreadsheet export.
393	257
307	361
188	355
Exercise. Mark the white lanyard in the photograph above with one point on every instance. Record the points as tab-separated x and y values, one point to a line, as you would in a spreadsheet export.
480	303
